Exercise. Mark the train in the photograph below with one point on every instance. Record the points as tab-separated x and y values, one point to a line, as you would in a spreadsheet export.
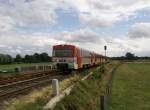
71	57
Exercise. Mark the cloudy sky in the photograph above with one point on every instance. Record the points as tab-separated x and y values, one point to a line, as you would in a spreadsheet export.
28	26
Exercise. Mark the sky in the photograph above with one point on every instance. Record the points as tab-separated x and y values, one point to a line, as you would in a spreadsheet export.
29	26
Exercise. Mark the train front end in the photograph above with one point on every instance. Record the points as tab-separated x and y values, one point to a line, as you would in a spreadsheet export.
64	57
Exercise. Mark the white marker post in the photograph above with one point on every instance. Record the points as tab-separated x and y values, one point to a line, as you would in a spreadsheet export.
55	87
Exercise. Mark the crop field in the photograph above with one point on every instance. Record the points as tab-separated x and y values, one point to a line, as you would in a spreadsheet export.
131	87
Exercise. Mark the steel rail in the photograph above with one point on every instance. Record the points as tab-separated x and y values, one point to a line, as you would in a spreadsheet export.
31	79
12	93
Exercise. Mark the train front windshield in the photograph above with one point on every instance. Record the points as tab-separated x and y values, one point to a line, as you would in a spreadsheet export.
62	53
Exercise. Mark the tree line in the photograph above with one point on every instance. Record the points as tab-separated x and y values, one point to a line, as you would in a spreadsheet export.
130	56
35	58
44	57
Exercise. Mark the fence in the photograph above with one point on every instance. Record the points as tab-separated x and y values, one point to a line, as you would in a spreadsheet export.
34	68
105	98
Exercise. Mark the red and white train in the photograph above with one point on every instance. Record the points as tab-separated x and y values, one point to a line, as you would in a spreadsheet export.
68	57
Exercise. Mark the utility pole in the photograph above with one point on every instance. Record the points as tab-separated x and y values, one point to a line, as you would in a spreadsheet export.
105	48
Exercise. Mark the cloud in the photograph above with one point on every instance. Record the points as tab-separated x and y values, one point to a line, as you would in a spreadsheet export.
40	42
93	41
6	23
24	15
140	30
100	13
29	13
119	46
27	43
81	35
40	13
83	38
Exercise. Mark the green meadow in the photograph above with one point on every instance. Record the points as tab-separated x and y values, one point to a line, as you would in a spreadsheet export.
131	87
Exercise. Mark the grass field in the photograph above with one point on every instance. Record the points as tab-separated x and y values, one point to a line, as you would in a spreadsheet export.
10	67
131	87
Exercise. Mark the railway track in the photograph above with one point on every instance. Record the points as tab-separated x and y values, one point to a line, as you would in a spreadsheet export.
14	89
24	76
18	88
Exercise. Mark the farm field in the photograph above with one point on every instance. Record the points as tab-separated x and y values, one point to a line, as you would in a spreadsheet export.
131	87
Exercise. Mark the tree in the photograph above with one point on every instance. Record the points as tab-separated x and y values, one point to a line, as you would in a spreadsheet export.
9	59
18	58
28	59
44	57
36	58
130	56
5	59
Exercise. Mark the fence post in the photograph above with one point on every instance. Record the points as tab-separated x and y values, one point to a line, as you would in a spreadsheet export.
55	87
36	67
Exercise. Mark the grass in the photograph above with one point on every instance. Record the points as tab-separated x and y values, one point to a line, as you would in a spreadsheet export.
86	94
83	97
131	87
10	68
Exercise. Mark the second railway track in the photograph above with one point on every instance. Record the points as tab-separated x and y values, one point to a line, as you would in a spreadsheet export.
14	89
24	76
21	87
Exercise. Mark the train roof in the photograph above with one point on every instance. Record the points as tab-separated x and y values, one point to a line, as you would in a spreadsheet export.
64	45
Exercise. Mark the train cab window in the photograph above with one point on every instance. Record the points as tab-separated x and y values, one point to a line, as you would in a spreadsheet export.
63	53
